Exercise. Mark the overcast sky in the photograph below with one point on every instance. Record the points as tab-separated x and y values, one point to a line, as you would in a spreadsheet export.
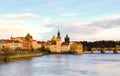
81	19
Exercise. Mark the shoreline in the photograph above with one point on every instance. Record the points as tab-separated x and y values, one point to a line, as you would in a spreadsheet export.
27	55
18	56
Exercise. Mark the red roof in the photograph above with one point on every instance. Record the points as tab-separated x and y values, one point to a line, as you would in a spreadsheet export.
33	40
65	43
77	43
47	43
10	41
53	42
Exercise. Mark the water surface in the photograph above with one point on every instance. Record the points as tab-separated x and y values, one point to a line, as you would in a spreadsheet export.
64	65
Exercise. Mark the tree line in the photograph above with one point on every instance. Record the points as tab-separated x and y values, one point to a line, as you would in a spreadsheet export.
99	44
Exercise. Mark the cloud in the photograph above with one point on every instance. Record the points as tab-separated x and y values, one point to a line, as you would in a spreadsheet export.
49	4
75	27
21	16
16	29
11	27
100	30
10	0
105	17
68	14
107	24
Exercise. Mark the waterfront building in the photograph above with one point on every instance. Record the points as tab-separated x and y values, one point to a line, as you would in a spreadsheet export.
27	42
76	47
12	44
65	47
1	44
57	46
35	44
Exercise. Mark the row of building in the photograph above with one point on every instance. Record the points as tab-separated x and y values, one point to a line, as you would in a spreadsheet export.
54	45
25	43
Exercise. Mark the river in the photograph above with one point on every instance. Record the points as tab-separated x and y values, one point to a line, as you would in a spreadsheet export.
64	65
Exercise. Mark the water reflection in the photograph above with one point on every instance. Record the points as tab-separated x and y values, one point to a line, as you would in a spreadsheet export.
106	52
17	59
64	65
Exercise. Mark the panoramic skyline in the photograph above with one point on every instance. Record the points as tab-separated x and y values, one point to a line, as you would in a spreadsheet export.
80	19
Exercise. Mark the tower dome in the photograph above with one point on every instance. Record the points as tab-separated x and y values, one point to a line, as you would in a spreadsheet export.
28	35
53	38
67	39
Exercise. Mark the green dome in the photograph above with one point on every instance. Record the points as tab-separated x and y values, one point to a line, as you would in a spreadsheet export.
28	36
0	41
53	38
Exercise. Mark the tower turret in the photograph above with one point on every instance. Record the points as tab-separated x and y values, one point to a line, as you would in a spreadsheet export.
67	39
58	42
58	34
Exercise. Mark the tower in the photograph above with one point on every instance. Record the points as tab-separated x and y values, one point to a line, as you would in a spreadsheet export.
58	42
58	34
67	39
27	42
28	36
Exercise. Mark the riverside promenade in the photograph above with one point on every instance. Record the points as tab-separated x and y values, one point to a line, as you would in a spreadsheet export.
16	56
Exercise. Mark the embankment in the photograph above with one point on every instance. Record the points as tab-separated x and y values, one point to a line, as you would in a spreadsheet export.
16	56
26	55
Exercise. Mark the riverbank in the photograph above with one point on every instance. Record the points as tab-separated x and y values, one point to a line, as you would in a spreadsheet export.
26	55
87	52
16	56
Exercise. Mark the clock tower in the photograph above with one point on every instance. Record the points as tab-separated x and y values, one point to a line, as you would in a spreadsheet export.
58	42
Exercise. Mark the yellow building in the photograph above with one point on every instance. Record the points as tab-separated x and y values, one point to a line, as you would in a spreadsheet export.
58	42
65	47
35	44
53	47
11	44
76	47
27	42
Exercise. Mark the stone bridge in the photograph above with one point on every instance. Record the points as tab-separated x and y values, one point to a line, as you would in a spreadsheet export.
114	49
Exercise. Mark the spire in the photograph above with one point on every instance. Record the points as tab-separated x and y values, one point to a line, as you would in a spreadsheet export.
58	34
67	36
67	39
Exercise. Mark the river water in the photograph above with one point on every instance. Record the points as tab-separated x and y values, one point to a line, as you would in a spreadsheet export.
64	65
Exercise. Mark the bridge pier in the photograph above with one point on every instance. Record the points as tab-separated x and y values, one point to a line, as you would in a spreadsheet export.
115	51
102	51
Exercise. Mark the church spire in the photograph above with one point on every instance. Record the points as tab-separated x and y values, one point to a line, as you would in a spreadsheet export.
67	39
58	34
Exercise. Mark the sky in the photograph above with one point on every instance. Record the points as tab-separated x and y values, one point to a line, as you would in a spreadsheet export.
82	20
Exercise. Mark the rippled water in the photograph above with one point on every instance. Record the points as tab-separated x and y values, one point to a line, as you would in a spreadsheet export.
65	65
